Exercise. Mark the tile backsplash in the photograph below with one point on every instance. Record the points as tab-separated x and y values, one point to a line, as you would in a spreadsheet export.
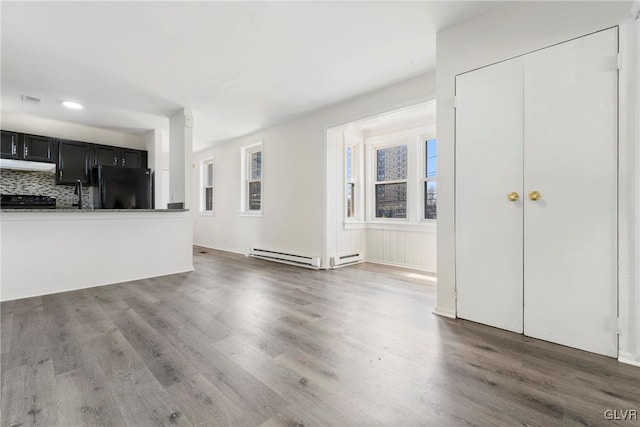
42	184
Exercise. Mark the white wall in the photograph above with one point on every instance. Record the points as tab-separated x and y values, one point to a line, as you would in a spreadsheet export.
158	161
294	190
504	33
67	130
629	249
51	252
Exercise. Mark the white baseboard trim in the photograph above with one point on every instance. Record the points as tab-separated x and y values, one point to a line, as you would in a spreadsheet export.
629	358
97	285
444	312
397	264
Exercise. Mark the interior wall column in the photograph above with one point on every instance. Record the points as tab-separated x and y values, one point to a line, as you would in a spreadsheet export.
180	150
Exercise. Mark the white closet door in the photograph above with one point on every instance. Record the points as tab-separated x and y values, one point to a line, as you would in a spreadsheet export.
570	239
488	167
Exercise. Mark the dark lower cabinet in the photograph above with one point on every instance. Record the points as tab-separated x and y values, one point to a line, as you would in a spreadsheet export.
9	146
38	148
74	162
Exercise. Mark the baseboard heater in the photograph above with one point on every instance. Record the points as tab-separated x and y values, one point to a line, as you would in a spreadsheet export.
344	260
285	258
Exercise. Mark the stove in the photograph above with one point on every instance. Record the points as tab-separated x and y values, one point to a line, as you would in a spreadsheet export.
22	201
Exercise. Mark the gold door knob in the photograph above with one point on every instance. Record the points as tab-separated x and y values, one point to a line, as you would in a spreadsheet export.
513	196
535	195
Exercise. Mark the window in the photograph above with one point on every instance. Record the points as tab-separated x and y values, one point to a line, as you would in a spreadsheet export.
430	186
391	182
252	179
350	190
206	201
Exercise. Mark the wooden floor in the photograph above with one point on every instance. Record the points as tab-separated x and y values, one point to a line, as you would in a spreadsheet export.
245	342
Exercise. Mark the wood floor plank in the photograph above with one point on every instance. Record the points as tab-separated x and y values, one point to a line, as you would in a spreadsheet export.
29	339
82	402
143	401
245	342
315	405
6	325
184	376
29	395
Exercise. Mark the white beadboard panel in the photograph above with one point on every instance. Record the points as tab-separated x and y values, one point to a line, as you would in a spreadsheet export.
410	249
401	246
351	241
374	244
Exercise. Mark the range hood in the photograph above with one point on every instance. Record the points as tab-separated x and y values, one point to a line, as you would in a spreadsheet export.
22	165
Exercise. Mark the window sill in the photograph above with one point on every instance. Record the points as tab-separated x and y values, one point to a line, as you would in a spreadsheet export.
354	225
426	226
206	213
251	214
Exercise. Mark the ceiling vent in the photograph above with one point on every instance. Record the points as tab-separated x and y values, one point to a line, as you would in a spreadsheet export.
31	99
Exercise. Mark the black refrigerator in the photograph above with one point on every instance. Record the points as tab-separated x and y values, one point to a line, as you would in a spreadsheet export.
123	188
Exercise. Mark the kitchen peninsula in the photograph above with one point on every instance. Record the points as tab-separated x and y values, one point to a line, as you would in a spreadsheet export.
49	245
56	250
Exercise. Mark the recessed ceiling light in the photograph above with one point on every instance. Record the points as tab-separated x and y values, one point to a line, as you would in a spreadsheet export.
72	105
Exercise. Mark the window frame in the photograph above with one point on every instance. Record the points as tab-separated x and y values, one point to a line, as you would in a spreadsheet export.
373	182
357	175
203	186
424	178
246	180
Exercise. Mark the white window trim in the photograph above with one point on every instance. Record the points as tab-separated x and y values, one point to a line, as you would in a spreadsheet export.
203	176
357	147
245	167
423	174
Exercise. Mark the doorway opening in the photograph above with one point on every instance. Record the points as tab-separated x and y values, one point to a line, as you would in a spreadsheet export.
382	190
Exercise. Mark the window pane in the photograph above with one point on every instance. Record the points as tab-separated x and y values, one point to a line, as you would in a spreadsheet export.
349	164
430	199
256	166
432	157
254	196
391	200
391	163
209	179
350	199
208	199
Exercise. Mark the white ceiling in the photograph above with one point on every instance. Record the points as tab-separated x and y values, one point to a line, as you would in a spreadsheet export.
239	66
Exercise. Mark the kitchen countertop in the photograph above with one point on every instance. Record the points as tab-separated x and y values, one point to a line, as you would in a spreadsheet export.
76	210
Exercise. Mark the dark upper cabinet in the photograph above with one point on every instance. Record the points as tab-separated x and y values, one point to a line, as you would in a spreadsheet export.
133	158
33	148
9	147
116	156
38	148
74	159
106	155
73	162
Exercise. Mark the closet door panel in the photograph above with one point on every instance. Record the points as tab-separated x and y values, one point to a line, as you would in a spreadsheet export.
570	233
488	167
